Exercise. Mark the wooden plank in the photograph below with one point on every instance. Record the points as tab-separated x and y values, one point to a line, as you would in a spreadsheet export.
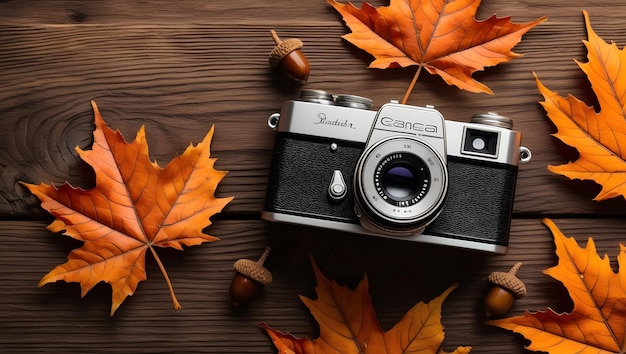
179	80
55	319
160	12
180	69
288	13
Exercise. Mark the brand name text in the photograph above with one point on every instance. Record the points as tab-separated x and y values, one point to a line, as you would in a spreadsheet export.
345	123
401	124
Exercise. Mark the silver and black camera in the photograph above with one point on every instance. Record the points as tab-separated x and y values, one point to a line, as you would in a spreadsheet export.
401	172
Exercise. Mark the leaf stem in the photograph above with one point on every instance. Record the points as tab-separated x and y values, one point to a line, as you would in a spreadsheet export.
410	89
167	279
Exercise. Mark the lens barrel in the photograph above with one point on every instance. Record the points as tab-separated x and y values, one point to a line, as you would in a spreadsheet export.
400	184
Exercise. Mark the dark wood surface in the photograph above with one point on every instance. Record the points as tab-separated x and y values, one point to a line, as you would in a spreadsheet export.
181	67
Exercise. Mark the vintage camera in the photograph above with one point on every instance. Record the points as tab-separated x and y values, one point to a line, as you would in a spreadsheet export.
401	172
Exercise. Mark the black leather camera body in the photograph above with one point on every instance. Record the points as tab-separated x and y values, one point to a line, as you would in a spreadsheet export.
401	172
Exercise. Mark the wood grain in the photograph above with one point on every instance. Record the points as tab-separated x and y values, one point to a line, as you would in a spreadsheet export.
55	319
178	80
180	68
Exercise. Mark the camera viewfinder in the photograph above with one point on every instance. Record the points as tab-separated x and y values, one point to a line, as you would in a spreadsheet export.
480	142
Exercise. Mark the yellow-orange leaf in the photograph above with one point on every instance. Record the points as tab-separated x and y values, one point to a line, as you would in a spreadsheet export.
135	206
348	324
441	36
597	323
600	138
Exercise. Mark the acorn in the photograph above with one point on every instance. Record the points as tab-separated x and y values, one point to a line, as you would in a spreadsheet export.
507	288
287	57
251	277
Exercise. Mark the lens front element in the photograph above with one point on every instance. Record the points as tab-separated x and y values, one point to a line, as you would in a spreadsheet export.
400	185
402	179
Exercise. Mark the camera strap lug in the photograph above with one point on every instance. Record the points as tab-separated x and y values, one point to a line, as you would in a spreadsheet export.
273	120
524	154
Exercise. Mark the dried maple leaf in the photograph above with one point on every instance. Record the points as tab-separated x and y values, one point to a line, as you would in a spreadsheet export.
439	35
348	324
597	323
600	138
134	207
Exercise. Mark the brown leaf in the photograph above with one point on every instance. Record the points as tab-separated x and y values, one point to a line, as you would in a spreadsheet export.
135	206
597	321
441	36
348	324
600	138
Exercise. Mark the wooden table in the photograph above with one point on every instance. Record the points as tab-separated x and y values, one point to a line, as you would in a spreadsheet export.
181	67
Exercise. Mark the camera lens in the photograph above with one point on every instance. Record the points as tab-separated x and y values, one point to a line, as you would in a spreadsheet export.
402	179
400	185
399	182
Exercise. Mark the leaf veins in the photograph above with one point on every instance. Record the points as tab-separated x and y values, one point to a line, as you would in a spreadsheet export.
134	207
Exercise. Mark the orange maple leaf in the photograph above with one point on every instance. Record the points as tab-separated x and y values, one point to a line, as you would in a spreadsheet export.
441	36
348	324
600	138
597	324
134	207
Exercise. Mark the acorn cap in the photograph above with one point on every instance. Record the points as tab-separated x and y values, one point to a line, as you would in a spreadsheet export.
508	281
283	48
255	270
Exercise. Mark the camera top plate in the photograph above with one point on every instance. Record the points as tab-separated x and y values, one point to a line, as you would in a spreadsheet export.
327	121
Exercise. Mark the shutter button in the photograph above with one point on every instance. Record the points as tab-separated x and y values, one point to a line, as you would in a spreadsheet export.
337	188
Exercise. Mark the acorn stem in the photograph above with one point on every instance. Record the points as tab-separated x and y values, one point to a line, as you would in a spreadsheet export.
264	256
515	268
277	39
